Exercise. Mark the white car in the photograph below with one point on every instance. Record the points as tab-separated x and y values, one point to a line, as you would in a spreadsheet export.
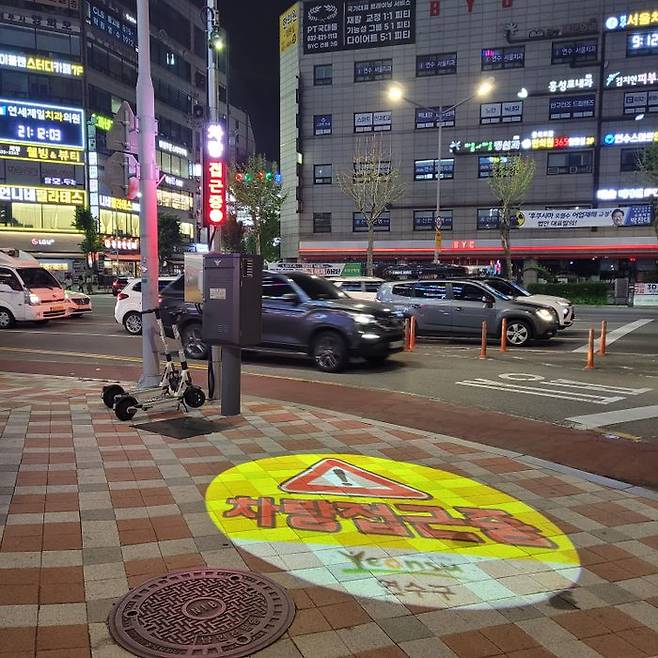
128	307
563	307
358	287
77	304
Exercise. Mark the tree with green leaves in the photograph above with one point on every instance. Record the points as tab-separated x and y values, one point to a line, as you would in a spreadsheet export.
648	166
372	185
258	195
169	236
87	224
511	178
233	234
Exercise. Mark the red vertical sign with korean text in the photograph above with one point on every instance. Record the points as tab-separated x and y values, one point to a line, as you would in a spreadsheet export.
215	175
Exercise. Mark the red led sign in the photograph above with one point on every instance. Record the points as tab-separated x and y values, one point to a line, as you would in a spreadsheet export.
215	176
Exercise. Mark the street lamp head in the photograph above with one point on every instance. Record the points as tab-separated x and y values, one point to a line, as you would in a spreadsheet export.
522	93
216	40
395	93
485	87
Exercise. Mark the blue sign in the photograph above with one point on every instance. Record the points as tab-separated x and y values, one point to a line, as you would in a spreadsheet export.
40	124
322	124
572	107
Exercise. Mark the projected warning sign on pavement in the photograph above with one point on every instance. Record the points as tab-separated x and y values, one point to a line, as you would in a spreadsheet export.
381	528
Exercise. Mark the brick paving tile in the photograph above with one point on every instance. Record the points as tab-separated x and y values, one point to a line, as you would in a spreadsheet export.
90	507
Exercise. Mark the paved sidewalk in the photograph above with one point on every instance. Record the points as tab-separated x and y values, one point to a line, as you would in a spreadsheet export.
90	507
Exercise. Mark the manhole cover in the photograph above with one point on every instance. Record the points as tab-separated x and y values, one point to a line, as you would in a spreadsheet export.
201	612
184	427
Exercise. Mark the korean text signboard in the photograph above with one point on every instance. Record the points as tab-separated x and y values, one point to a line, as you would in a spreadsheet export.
40	124
357	24
214	175
422	535
573	218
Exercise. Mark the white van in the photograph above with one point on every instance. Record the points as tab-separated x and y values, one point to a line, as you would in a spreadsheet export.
28	292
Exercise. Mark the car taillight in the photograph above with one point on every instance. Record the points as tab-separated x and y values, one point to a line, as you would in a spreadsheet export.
122	295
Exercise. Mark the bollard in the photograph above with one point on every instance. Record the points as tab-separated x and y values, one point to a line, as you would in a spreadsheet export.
407	327
503	336
602	341
483	346
412	334
590	350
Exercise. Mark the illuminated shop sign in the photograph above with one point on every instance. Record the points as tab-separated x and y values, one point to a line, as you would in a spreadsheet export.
102	122
41	154
631	80
115	203
616	139
40	124
172	180
338	25
636	19
172	148
48	195
539	140
35	64
113	24
627	193
28	18
175	200
571	84
114	243
214	176
58	182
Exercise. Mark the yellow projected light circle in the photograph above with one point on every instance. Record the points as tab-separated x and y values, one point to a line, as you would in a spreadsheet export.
381	528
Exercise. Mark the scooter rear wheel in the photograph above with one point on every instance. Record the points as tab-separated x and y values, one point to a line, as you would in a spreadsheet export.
194	397
126	407
110	393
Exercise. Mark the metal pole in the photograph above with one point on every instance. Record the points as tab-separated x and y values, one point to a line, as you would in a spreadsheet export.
437	220
148	213
213	115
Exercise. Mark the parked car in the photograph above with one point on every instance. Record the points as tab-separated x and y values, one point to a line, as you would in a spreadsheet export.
563	307
422	271
77	304
118	284
458	307
358	287
128	307
305	314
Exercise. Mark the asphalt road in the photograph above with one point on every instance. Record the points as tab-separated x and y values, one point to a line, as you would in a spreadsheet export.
546	381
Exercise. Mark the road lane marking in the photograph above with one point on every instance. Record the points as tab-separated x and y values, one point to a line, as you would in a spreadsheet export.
619	332
69	333
564	389
591	421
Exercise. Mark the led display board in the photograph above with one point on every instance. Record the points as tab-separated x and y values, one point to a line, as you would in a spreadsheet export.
24	122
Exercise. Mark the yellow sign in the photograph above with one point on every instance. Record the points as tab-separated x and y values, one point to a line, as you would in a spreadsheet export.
40	65
289	28
175	200
380	527
48	195
11	151
438	239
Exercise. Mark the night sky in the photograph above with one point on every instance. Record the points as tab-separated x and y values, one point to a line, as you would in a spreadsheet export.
253	28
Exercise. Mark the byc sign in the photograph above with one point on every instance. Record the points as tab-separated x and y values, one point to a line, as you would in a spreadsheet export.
214	175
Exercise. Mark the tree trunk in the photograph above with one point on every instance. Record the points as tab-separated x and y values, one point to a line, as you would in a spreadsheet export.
505	242
257	237
371	248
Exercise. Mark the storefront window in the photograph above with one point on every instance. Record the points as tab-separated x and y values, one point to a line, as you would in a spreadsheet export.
114	222
35	215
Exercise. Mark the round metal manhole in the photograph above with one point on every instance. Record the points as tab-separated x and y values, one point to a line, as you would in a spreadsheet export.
201	612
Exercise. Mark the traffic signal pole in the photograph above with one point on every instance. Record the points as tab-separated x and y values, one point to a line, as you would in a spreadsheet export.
148	206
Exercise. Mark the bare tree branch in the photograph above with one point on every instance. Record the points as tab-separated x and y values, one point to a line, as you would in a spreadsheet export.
648	169
372	185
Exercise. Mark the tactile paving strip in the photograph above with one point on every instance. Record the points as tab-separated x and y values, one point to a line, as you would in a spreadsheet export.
205	612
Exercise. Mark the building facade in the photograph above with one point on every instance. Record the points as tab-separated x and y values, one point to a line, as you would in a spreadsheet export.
576	89
65	68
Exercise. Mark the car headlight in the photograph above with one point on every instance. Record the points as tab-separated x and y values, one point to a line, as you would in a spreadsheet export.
545	314
34	299
363	318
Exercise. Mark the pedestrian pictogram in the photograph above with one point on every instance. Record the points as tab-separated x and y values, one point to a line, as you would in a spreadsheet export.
340	478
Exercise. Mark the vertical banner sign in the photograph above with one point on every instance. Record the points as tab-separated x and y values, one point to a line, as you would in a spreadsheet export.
214	175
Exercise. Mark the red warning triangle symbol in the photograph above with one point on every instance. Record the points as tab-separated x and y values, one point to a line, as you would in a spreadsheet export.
339	478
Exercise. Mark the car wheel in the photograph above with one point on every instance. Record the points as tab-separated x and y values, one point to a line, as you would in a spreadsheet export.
193	344
329	352
133	323
518	332
7	320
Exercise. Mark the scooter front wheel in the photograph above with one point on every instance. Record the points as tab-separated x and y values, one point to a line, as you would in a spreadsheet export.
110	393
126	407
194	397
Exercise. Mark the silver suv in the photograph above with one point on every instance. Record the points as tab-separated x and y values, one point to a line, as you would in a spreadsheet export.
457	308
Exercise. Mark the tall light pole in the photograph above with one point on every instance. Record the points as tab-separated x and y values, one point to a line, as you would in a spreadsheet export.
396	94
148	203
